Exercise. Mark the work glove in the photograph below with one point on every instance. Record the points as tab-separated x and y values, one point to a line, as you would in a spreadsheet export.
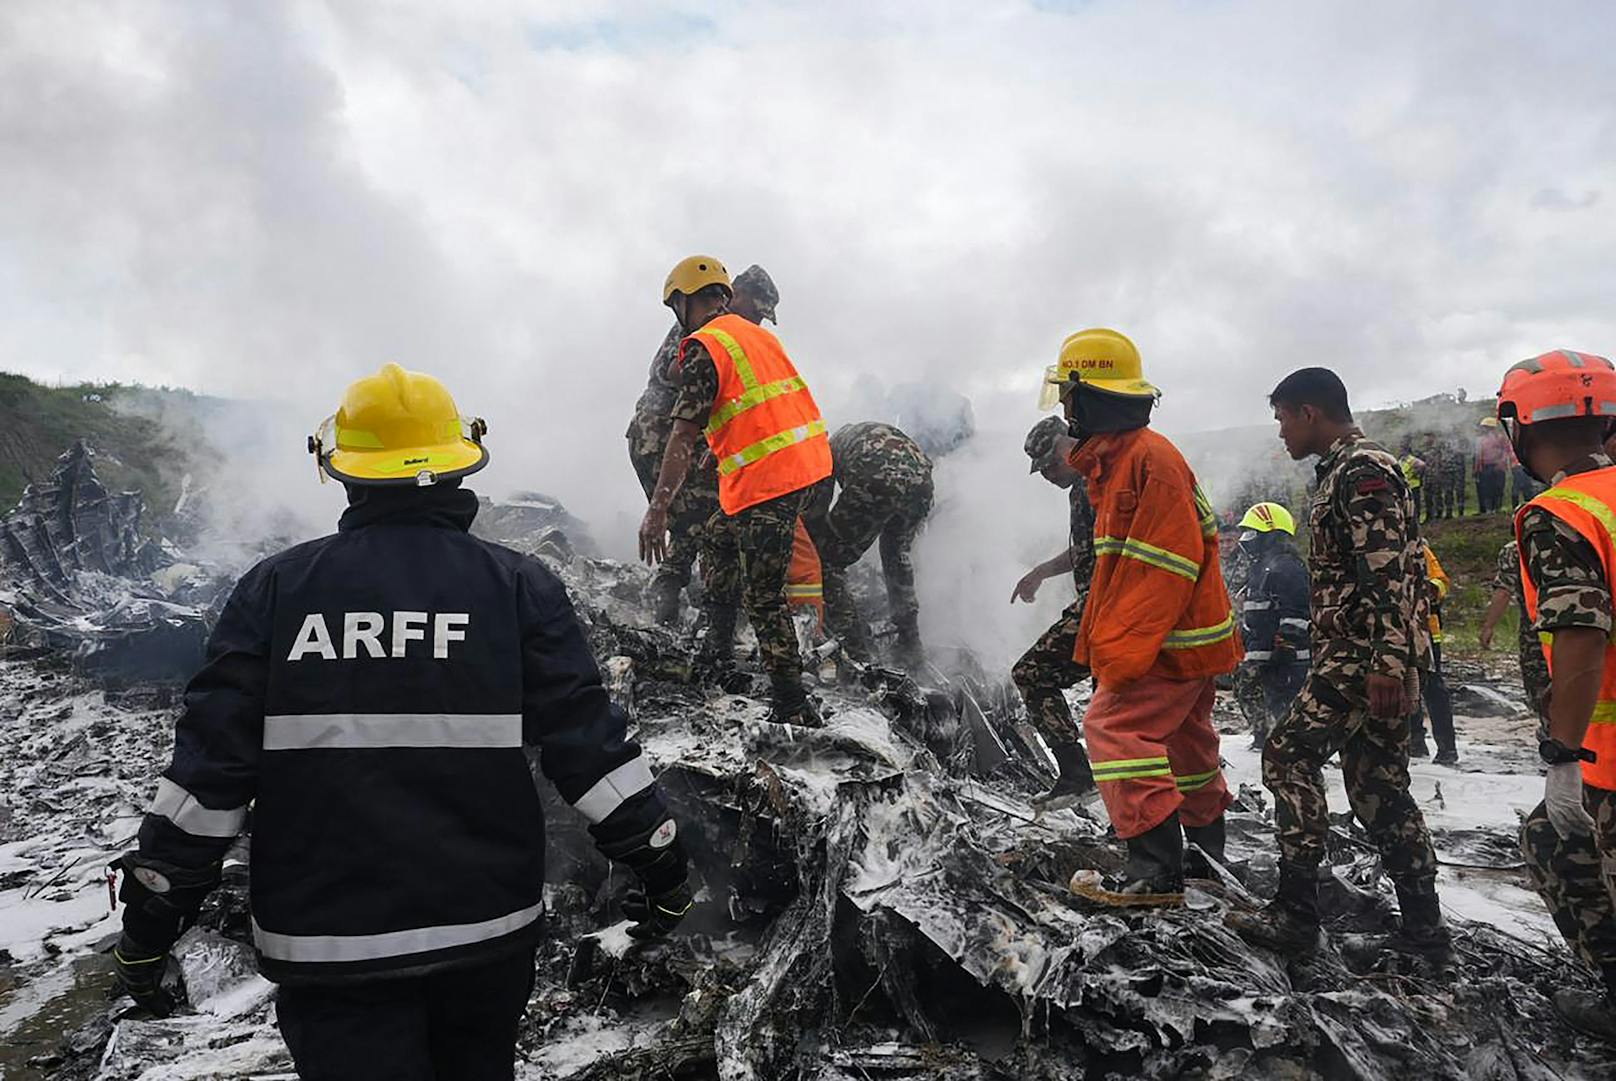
657	858
161	899
1562	799
656	916
140	971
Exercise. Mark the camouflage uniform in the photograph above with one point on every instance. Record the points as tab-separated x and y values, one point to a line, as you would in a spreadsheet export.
1568	872
885	493
1457	476
1047	669
1534	668
697	498
745	557
1370	609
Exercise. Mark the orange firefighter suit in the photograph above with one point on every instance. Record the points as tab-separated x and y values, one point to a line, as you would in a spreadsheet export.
1157	631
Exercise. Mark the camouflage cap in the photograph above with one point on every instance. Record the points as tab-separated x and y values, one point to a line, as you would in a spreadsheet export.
755	282
1040	445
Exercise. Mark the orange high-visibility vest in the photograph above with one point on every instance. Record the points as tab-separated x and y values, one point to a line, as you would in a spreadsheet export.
765	429
805	580
1587	503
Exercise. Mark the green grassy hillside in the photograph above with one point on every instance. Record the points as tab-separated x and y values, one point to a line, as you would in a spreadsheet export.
133	451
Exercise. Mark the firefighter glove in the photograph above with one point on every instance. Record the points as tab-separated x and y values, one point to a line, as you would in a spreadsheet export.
655	915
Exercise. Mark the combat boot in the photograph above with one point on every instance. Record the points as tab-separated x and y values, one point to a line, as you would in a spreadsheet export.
665	601
1422	934
1446	756
790	704
908	651
1153	875
1417	747
1290	922
1075	781
1592	1013
714	662
1210	839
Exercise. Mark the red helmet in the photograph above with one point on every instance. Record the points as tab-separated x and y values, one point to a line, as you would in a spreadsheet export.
1558	385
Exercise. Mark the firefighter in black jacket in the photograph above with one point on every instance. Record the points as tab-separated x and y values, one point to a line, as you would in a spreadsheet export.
1274	621
370	695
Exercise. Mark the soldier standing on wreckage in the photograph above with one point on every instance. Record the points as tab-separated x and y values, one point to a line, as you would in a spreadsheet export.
883	491
1157	629
1558	409
697	501
737	385
1273	616
1045	671
1370	643
369	695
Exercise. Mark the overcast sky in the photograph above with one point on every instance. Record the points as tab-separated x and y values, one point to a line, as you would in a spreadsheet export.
269	199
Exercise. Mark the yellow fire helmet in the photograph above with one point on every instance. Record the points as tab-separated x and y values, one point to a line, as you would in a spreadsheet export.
694	274
398	428
1488	422
1104	359
1267	517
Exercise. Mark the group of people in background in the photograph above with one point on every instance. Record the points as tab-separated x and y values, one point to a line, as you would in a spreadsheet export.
1440	466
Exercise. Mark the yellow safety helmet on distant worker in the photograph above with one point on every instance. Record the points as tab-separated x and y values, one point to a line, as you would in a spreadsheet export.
692	275
1100	358
1267	517
398	428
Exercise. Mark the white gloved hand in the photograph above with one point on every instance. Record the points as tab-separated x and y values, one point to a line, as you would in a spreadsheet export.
1562	798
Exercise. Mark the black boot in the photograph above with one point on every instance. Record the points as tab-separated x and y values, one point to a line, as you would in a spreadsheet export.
908	652
1290	922
665	601
1417	747
790	704
714	663
1153	875
1209	839
1594	1014
1422	933
1446	756
1076	778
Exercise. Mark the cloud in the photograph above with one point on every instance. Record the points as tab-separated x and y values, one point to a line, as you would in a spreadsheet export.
268	200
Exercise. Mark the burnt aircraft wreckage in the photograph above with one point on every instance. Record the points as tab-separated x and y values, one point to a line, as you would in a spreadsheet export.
878	897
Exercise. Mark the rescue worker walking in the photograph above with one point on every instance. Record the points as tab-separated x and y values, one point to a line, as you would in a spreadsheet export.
697	500
1274	612
738	386
1370	643
1045	671
1158	628
1558	409
1493	462
1414	470
1435	702
369	696
883	492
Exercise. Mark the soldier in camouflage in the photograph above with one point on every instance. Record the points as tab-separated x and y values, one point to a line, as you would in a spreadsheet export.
1045	671
1371	641
1507	589
884	493
697	499
1564	858
1455	470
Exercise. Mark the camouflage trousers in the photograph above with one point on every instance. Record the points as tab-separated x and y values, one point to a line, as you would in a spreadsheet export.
1374	765
1265	694
888	510
745	561
1571	878
1046	670
693	505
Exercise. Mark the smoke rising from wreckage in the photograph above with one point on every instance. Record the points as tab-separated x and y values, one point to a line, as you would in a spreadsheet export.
880	898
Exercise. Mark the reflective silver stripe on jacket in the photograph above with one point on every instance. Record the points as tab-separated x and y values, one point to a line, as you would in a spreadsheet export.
181	808
304	732
609	793
1295	623
330	948
1257	606
1259	654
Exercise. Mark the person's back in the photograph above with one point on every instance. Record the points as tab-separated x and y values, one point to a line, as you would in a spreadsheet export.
369	695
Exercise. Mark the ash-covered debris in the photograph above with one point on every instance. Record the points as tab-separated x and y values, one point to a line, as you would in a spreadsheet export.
80	580
535	523
878	899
